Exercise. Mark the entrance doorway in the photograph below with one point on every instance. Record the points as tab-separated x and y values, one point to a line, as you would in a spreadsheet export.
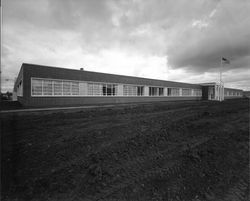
213	91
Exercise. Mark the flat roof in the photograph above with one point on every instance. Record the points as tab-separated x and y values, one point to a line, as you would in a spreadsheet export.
52	72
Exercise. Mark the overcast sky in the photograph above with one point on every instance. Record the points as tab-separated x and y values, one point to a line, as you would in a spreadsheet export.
178	40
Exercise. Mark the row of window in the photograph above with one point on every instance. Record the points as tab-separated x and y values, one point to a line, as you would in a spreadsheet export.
42	87
159	91
57	88
96	89
173	91
197	92
46	87
232	93
187	92
130	90
156	91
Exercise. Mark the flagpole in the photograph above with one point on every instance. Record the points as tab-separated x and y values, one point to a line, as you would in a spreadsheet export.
222	61
220	80
220	70
1	40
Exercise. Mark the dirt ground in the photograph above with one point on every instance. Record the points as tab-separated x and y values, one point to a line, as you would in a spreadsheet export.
176	151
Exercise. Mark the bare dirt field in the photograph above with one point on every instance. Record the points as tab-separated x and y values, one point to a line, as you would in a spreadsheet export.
176	151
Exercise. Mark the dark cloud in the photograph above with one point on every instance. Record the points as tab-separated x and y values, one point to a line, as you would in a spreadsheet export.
57	14
226	34
205	54
79	14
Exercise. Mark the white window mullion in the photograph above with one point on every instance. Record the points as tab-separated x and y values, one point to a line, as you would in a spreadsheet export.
106	90
70	88
53	88
42	87
62	88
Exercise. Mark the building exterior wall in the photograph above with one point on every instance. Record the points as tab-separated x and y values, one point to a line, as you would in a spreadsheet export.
232	93
18	85
70	101
246	94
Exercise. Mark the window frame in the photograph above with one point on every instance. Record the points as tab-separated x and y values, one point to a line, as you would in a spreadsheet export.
134	90
189	90
61	83
31	87
49	82
171	94
131	90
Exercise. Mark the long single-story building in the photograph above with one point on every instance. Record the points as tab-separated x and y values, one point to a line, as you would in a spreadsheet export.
45	86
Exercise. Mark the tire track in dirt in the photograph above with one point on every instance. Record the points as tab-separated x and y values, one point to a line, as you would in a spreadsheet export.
147	158
173	166
240	192
162	145
173	171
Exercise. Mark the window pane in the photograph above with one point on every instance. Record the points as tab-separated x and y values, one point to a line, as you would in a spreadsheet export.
139	91
115	89
125	90
129	90
104	90
169	91
75	88
160	91
66	88
109	89
186	92
97	89
57	88
153	91
173	91
90	89
176	91
150	91
197	92
47	87
37	86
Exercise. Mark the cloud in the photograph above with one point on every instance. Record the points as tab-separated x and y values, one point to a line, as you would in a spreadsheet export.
175	40
221	34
